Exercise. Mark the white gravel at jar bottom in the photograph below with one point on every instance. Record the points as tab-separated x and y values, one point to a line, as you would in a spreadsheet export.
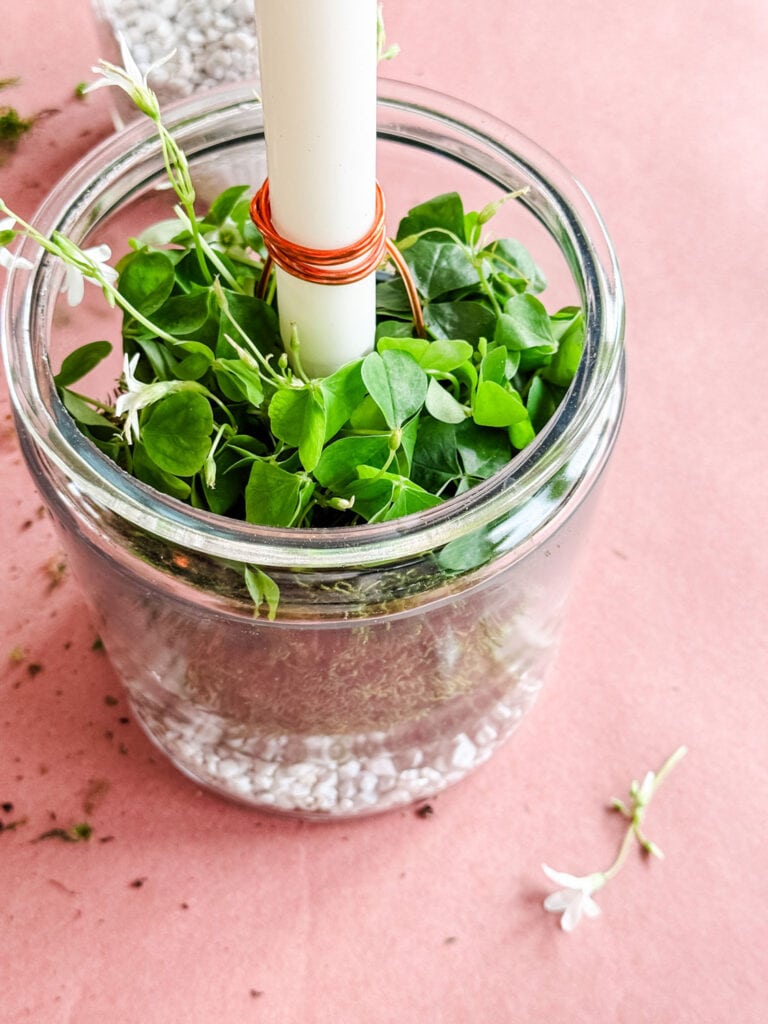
332	778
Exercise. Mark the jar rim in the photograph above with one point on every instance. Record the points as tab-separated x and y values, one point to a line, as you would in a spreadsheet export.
592	261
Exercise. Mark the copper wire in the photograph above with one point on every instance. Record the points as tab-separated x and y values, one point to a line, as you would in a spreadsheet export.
343	265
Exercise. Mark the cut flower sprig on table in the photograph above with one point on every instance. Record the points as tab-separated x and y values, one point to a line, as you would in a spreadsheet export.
212	411
574	899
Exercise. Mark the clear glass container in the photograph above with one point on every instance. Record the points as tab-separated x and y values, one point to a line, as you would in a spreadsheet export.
403	653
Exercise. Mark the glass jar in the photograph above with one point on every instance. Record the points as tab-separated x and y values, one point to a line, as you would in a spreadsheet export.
402	653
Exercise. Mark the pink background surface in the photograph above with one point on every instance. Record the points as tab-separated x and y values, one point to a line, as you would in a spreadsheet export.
400	918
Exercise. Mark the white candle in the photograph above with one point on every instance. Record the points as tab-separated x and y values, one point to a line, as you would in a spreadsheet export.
318	88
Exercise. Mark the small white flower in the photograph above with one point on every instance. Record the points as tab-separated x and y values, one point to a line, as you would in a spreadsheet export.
128	77
132	400
8	259
574	900
139	395
75	277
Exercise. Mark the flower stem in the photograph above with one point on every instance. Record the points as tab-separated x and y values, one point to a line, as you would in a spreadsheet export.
636	813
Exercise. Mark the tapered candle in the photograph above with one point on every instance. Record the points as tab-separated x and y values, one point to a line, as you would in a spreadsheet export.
318	88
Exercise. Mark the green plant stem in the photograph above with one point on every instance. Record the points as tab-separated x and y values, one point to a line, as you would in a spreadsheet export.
88	269
93	401
636	815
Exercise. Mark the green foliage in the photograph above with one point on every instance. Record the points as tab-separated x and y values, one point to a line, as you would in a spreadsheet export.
211	412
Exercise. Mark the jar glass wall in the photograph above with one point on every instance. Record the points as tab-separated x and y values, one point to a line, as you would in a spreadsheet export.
403	653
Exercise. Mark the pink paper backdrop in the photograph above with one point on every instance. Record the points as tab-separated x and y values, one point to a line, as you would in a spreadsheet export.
408	919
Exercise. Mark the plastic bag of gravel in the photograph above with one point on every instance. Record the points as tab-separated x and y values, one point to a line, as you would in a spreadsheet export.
214	42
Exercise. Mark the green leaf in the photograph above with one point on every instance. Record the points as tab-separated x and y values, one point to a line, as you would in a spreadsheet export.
540	403
338	464
392	299
180	315
368	417
494	366
441	356
342	392
467	552
439	267
393	328
177	432
482	451
469	320
239	381
224	204
82	412
565	362
409	498
435	457
415	347
149	472
404	454
80	362
511	257
263	590
231	478
383	496
372	494
495	406
273	496
396	383
297	416
444	211
442	405
255	318
146	280
196	363
522	433
525	324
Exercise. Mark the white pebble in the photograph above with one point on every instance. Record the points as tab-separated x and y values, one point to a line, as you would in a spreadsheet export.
347	788
464	753
299	790
229	768
382	766
241	785
486	734
367	782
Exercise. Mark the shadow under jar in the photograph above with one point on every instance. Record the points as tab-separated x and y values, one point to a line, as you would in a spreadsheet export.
403	654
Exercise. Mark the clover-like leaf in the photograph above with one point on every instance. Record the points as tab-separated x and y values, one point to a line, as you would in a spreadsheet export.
495	406
440	266
263	590
297	416
442	405
177	432
146	280
79	363
525	324
469	320
274	496
445	211
396	383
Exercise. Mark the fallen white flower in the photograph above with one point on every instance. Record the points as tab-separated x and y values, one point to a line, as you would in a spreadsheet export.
574	900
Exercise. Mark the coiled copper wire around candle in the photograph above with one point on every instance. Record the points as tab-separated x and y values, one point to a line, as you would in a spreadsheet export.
343	265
